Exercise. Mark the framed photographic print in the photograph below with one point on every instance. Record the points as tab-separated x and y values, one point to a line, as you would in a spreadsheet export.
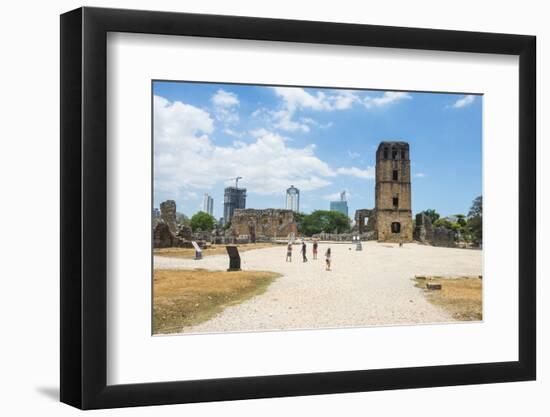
258	207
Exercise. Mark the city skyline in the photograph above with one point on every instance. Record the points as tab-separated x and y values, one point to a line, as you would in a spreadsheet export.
208	204
322	141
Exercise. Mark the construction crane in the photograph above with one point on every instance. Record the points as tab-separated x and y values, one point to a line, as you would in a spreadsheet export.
236	181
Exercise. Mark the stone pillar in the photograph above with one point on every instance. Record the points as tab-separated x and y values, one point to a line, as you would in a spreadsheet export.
168	214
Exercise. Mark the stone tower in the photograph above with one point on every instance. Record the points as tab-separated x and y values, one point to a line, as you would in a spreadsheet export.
393	192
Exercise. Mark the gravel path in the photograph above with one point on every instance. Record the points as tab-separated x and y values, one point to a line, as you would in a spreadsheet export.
371	287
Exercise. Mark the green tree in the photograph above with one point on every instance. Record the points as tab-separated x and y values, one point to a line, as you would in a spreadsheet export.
202	221
324	221
461	219
299	219
432	214
477	207
474	223
447	224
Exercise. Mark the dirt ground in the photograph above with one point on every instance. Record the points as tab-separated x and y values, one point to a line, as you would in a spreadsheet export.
186	298
364	288
460	296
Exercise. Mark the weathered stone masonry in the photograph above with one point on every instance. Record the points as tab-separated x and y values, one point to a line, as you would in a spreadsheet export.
267	223
391	219
393	192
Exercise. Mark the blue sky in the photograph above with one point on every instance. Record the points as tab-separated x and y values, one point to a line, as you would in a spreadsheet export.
320	140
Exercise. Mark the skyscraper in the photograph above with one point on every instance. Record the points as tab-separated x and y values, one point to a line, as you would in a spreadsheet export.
293	199
233	198
208	204
340	206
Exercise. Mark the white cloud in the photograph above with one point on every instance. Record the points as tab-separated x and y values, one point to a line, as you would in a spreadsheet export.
368	173
419	175
187	159
464	101
295	99
233	133
344	100
353	155
385	99
191	195
224	98
283	120
225	106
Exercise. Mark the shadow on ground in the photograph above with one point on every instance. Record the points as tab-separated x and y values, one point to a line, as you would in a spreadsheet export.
50	392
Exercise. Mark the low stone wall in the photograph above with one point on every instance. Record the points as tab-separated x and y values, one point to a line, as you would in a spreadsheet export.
344	237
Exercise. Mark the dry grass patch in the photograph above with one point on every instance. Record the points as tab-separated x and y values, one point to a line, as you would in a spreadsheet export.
461	296
184	298
209	250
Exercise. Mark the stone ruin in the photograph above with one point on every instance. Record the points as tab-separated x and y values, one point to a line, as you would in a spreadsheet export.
254	225
444	237
391	218
168	214
364	229
167	233
423	231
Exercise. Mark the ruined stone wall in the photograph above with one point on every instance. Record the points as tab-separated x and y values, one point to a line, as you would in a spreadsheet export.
259	224
444	237
423	231
167	233
360	216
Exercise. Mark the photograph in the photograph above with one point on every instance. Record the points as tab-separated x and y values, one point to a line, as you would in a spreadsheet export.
295	207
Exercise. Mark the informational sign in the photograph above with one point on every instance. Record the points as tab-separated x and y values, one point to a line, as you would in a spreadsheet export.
234	258
198	250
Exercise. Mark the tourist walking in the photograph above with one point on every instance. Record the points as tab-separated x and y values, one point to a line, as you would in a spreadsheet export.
327	260
289	253
304	251
315	244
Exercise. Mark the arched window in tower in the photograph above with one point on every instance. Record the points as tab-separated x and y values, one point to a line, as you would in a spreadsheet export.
393	153
396	227
403	154
395	175
395	202
385	153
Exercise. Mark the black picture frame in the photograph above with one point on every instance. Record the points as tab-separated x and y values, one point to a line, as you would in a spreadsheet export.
84	207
